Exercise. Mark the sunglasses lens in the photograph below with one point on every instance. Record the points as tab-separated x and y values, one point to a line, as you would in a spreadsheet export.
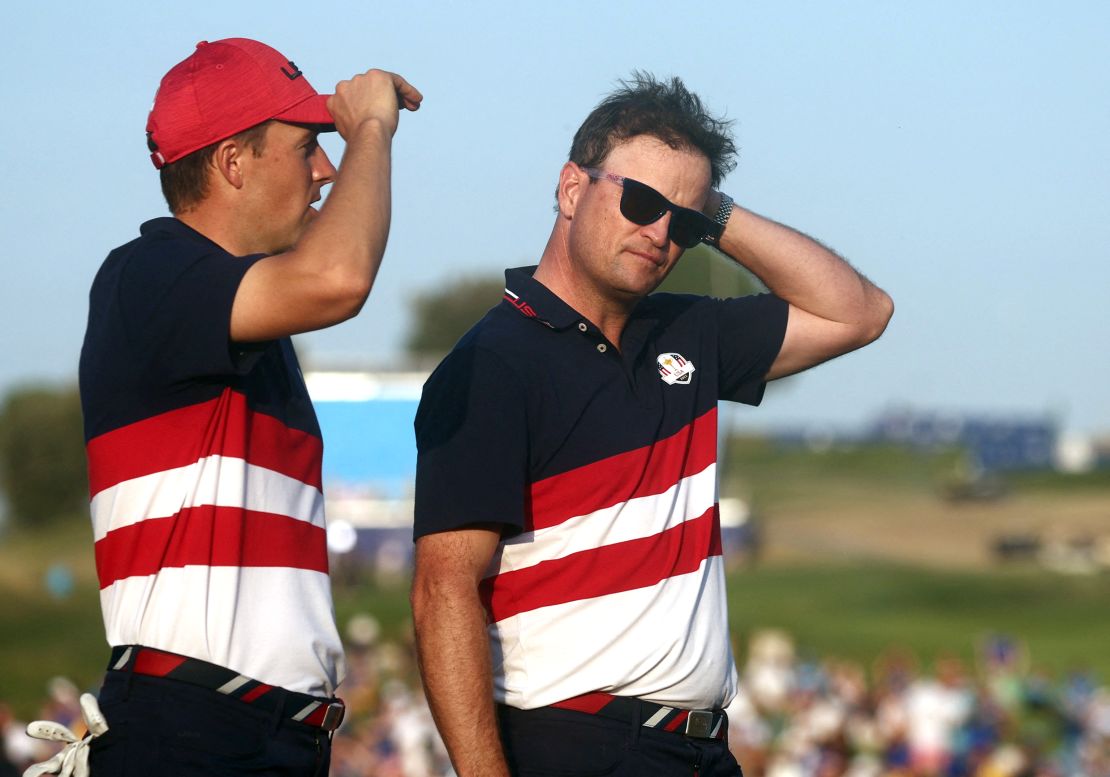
687	228
641	204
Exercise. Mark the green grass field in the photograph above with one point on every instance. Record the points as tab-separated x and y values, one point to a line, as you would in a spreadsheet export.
855	612
845	611
837	604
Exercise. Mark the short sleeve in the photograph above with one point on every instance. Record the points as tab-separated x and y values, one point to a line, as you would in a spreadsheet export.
177	305
750	337
472	445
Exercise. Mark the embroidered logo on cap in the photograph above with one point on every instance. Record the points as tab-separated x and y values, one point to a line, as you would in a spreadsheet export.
674	368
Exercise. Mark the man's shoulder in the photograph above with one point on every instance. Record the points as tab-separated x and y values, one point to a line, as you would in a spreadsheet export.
166	251
492	352
667	309
665	301
668	304
157	238
501	330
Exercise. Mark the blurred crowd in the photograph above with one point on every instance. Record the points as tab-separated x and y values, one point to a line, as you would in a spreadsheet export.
997	718
793	716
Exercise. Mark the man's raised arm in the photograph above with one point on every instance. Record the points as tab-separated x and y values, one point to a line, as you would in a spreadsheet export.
326	277
833	308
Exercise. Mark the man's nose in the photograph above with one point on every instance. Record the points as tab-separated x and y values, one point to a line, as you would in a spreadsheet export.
658	230
323	170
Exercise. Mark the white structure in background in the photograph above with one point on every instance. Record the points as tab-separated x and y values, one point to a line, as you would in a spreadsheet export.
1076	454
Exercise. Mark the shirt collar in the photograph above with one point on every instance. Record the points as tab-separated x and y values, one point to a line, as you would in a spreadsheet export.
532	299
173	227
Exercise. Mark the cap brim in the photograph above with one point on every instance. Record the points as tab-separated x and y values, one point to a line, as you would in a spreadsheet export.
314	110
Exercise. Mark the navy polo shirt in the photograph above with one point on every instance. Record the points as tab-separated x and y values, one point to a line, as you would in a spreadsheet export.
158	336
204	469
534	391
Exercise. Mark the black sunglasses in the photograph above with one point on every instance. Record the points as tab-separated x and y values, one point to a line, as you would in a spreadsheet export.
642	205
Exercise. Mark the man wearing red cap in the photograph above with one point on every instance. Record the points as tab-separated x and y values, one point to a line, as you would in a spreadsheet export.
203	447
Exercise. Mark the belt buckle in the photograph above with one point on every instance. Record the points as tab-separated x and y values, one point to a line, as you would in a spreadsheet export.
699	724
333	716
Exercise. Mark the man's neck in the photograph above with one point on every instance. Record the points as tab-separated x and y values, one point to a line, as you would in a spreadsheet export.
557	272
214	225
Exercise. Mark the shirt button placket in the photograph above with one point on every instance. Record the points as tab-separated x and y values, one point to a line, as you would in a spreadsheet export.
584	328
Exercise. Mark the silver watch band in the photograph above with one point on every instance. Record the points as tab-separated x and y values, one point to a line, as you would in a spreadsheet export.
724	210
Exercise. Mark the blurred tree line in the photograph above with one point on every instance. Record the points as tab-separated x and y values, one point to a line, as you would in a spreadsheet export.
42	455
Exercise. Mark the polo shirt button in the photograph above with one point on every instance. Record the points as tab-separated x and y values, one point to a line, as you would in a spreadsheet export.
582	326
602	347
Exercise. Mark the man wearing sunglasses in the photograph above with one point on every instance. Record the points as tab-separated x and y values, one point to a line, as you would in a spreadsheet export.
569	594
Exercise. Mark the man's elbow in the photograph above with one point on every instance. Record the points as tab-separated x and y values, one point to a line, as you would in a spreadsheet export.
346	294
880	310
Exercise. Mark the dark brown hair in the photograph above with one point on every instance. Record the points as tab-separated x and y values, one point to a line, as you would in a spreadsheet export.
666	110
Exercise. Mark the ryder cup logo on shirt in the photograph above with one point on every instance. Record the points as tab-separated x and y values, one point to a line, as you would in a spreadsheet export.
674	368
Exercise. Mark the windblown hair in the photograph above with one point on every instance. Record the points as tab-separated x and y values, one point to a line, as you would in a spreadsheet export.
666	110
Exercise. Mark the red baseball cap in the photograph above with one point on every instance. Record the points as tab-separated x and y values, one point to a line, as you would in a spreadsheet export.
223	88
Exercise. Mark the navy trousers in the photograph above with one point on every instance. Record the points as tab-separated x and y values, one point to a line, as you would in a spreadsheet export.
549	742
175	729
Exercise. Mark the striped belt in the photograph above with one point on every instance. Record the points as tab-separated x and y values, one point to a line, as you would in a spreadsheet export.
700	724
310	710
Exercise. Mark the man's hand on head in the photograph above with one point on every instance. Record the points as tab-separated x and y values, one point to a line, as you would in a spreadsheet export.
373	95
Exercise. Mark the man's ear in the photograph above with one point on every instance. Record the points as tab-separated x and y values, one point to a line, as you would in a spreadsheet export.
228	161
572	182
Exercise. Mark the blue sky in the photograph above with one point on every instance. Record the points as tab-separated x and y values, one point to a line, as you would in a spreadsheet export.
957	154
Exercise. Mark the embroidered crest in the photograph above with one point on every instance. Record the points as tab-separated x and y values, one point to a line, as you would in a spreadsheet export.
674	368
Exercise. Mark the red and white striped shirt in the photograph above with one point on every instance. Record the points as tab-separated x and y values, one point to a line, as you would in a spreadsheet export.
601	463
204	472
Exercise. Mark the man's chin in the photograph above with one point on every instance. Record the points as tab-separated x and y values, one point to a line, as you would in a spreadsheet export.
642	283
632	292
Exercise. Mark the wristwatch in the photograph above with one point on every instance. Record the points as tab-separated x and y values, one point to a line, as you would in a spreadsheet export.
724	210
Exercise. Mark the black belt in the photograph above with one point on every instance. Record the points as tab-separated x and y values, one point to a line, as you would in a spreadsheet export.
310	710
700	724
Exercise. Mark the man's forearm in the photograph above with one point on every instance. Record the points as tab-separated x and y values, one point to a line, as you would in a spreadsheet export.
453	651
805	273
346	242
327	276
351	231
